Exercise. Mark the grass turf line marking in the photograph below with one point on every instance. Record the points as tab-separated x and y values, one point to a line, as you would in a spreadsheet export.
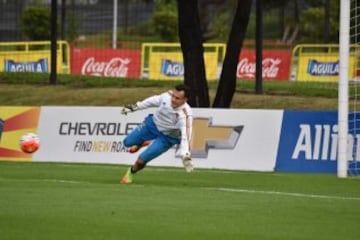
42	180
61	181
304	195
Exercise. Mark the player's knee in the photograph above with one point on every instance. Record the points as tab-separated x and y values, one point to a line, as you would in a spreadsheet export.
127	143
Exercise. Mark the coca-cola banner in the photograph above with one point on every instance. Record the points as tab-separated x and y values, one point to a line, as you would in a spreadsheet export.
106	62
275	65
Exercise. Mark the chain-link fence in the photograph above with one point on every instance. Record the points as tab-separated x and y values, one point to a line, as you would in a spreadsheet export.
134	38
76	18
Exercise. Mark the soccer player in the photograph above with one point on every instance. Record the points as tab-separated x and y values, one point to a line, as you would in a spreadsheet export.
169	125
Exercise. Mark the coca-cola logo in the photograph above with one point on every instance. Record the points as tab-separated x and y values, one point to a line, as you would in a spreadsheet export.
247	69
115	67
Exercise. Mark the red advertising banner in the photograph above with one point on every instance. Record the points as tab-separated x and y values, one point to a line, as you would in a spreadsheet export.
106	62
275	65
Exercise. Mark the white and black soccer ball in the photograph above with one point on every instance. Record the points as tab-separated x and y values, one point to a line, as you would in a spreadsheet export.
29	143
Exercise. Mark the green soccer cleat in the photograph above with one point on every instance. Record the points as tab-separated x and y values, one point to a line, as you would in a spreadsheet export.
128	177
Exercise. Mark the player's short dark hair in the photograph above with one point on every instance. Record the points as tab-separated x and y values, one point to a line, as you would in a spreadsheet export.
185	88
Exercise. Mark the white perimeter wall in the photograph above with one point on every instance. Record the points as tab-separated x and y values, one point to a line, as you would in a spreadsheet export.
64	131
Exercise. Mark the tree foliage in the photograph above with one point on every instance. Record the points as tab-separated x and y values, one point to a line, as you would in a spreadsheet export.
313	24
72	23
165	20
35	23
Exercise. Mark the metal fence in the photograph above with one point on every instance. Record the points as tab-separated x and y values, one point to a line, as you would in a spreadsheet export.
111	38
77	18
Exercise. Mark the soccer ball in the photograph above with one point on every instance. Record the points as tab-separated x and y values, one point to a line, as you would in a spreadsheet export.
29	143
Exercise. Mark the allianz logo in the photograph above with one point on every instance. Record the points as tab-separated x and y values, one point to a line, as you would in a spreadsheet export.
320	142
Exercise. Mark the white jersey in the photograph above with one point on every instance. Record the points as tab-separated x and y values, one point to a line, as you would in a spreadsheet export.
173	122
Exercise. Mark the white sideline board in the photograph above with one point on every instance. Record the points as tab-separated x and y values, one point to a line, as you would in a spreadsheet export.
95	135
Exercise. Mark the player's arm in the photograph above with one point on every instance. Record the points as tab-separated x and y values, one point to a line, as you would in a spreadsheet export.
152	101
185	149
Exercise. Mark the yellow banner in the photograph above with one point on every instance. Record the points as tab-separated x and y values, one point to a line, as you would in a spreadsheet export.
33	57
322	68
164	61
166	66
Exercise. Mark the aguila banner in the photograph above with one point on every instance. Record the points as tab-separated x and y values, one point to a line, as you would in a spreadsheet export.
275	65
106	62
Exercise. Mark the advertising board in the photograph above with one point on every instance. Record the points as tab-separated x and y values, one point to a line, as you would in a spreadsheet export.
317	67
106	62
231	139
33	57
15	122
223	139
164	61
308	142
275	64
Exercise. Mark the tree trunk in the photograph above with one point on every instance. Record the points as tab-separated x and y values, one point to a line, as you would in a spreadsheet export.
227	83
190	35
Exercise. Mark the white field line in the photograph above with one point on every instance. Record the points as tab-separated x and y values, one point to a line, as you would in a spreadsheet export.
237	190
60	181
291	194
43	180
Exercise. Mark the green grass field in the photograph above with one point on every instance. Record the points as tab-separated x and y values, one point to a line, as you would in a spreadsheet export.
33	89
53	201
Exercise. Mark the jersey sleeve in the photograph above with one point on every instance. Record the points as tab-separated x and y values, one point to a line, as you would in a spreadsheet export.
153	101
186	132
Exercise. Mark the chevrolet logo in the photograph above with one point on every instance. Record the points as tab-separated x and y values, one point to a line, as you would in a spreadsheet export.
206	136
